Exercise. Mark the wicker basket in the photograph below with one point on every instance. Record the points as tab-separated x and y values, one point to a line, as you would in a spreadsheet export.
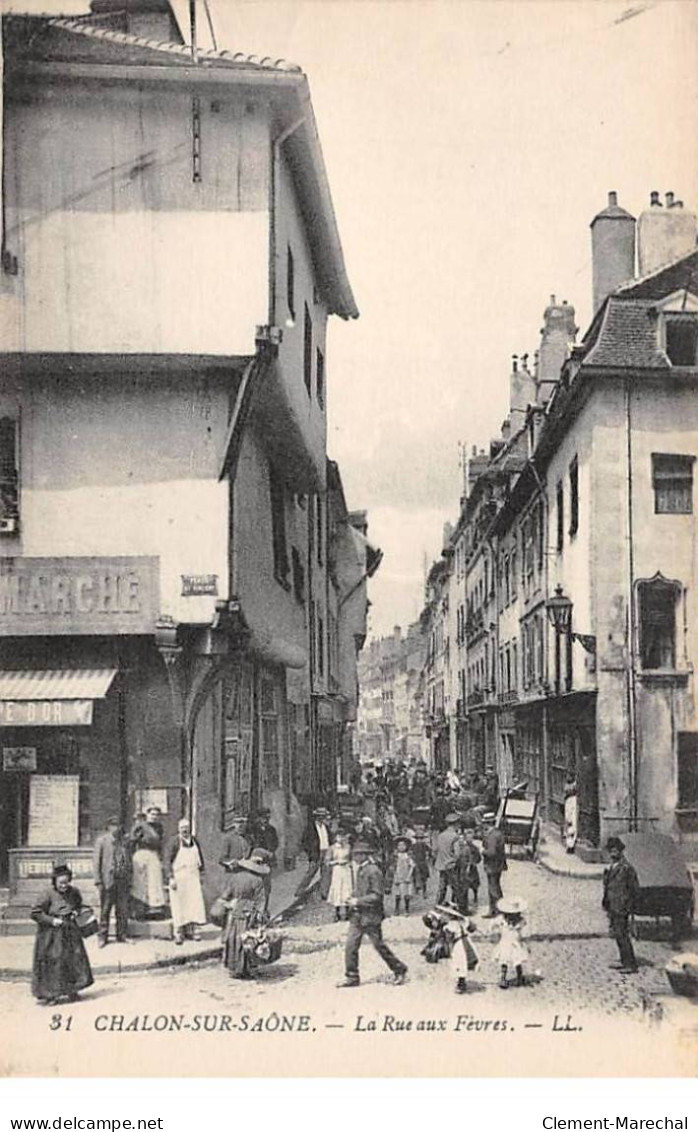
682	973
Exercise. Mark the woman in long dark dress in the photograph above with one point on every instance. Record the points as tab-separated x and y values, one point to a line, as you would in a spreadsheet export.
61	968
245	896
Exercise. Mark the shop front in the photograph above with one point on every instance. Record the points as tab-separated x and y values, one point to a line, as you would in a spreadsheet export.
72	700
572	756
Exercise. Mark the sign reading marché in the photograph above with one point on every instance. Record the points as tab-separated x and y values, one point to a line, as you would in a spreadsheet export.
78	595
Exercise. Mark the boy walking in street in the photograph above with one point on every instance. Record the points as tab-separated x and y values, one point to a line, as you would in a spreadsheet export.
366	918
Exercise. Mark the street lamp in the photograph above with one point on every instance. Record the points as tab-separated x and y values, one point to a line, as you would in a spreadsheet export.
559	610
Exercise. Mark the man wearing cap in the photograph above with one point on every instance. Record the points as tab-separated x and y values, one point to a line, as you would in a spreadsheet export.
366	914
261	832
447	845
494	857
620	891
235	845
112	869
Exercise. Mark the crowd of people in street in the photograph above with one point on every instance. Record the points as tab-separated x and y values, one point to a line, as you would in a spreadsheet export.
386	839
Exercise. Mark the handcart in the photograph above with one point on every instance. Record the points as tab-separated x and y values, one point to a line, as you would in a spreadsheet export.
519	820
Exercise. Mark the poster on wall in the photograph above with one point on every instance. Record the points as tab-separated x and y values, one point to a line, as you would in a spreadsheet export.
19	758
53	810
154	796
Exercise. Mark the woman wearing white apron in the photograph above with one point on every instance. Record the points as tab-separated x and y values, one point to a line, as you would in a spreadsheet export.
147	891
185	865
571	813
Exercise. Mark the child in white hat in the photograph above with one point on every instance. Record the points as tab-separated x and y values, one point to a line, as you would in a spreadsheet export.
511	952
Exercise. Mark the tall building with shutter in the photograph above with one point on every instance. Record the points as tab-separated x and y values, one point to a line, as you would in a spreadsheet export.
170	258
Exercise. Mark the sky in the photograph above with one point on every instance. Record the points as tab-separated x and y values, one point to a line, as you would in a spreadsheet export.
469	144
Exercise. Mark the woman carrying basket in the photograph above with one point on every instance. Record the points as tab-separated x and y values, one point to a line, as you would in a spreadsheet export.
61	968
245	898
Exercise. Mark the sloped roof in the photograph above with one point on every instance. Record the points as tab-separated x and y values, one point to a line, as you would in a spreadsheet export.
680	275
627	337
69	40
76	38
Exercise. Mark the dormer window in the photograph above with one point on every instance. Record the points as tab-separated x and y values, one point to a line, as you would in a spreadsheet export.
681	338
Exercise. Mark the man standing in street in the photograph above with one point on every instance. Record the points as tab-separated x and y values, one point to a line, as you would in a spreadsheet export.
113	870
447	846
366	913
620	889
235	847
316	844
494	858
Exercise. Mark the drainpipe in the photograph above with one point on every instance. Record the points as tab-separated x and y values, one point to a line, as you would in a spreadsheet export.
631	687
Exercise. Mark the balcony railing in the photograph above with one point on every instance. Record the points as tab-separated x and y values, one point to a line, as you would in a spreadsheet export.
509	697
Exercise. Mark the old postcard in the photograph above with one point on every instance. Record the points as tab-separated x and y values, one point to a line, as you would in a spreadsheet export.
348	572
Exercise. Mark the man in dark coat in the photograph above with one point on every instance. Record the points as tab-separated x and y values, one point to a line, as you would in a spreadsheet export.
620	891
447	845
315	844
112	868
495	863
366	918
260	832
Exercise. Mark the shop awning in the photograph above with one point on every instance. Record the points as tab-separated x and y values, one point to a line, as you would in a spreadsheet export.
63	684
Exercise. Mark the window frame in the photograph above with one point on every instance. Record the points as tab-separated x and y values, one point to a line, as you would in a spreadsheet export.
573	476
657	584
277	497
668	479
307	350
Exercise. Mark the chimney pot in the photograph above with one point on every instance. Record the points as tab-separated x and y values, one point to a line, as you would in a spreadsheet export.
514	363
678	204
669	200
552	300
612	199
654	200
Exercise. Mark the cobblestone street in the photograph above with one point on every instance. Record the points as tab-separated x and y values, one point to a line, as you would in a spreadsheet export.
570	951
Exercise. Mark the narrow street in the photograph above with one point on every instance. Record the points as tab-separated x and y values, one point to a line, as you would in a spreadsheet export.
572	984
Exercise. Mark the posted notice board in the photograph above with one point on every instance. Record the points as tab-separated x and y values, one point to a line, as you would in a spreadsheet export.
53	809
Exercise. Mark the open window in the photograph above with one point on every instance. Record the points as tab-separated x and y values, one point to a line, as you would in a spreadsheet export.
681	338
657	602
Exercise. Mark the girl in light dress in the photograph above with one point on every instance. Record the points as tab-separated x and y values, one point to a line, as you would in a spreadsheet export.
403	876
342	882
511	952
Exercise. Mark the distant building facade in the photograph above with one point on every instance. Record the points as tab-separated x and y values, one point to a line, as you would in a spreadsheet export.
575	566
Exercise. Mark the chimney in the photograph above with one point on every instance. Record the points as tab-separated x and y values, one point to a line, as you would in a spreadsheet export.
522	392
664	234
557	338
151	19
612	249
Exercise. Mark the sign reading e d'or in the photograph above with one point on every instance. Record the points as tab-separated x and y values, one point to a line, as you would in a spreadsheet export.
78	596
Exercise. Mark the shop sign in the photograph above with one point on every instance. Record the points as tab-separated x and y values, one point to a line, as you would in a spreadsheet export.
69	596
199	585
19	758
31	867
45	713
